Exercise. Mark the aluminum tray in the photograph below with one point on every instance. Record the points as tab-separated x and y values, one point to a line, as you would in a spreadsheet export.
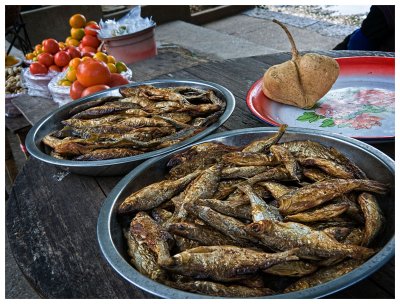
118	166
376	165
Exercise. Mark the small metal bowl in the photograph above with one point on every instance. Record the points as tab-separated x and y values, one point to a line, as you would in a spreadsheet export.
118	166
376	165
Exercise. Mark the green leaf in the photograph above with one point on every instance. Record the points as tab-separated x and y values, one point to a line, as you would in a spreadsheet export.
327	123
307	116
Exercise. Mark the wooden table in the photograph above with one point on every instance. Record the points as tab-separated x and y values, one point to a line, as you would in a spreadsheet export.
51	216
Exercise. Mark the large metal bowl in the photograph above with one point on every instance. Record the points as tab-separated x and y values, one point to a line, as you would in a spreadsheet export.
123	165
377	166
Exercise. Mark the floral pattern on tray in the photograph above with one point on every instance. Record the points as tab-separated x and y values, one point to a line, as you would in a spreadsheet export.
351	107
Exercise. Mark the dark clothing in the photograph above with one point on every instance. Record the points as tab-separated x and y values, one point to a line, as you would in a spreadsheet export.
376	32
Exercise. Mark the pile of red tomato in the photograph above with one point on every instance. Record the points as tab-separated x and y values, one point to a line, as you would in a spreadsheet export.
92	76
52	58
87	70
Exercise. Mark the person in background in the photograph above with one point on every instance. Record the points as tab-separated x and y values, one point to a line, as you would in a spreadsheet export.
376	32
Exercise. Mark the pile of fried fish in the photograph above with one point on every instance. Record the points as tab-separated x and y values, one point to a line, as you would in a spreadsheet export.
252	221
144	119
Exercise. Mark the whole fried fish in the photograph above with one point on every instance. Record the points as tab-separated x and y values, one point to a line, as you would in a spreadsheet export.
292	269
203	234
227	225
315	194
240	158
277	190
144	260
211	262
332	168
324	275
221	290
263	145
238	209
315	174
259	208
145	230
102	154
318	214
311	243
338	233
373	217
242	172
153	195
276	173
284	156
203	186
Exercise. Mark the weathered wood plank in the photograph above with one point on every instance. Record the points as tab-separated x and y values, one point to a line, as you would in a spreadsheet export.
15	124
169	59
34	108
51	227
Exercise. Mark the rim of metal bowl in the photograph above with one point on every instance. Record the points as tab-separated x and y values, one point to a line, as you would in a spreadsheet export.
127	271
33	149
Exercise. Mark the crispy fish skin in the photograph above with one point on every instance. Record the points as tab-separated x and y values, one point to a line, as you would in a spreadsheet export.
338	233
308	149
242	172
284	156
276	173
263	145
101	154
92	103
144	260
103	110
373	217
324	275
221	290
311	243
355	237
315	194
227	225
259	208
200	156
160	215
330	167
351	166
318	214
315	174
277	190
203	234
95	122
211	262
153	195
146	230
240	158
292	269
203	186
238	209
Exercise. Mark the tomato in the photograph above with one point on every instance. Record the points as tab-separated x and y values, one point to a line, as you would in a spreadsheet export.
45	59
91	72
73	52
50	46
94	89
54	68
88	55
88	49
117	80
90	29
77	21
37	68
76	90
89	40
62	58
